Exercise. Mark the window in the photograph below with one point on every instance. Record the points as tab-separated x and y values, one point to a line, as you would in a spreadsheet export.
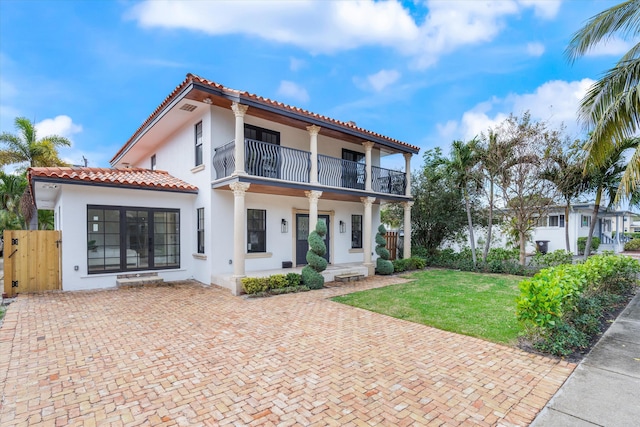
585	221
256	230
124	239
200	213
153	162
541	221
198	132
556	220
356	231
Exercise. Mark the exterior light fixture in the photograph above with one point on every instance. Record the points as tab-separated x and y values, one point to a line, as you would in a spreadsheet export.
343	227
284	226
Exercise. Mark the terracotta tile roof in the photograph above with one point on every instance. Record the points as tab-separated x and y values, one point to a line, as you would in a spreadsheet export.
125	177
191	78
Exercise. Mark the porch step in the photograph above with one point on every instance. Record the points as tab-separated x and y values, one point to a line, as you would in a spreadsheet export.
142	279
348	277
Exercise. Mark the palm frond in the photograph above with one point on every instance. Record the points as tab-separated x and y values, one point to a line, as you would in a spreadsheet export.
623	18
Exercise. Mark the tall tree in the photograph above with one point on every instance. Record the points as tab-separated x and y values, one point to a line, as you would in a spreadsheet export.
11	189
526	194
565	171
605	179
611	107
462	168
25	149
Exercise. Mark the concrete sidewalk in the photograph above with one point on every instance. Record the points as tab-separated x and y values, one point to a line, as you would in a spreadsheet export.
604	390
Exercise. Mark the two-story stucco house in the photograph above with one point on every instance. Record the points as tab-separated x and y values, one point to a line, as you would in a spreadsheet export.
218	184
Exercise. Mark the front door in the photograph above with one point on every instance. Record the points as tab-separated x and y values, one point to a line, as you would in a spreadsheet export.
302	234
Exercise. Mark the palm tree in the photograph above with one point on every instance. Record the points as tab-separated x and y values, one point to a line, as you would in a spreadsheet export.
611	107
462	166
566	173
25	147
606	179
11	189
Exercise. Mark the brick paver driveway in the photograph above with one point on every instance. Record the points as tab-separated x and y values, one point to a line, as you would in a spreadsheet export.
189	355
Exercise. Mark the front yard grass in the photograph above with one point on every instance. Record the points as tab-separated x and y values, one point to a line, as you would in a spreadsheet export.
474	304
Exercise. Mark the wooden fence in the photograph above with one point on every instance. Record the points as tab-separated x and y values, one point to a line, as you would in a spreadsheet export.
392	243
31	261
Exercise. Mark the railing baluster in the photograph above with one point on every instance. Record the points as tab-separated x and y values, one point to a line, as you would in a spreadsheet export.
224	160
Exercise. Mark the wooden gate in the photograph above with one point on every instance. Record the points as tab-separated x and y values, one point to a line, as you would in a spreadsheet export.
392	243
31	261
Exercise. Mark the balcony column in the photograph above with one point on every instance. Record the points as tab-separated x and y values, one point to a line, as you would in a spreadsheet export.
313	197
239	110
367	164
313	148
406	251
239	224
367	233
407	174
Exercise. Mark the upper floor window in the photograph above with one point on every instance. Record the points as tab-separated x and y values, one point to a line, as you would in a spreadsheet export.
153	162
585	221
556	220
256	230
198	137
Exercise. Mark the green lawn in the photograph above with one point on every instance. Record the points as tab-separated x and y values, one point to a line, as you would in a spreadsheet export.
479	305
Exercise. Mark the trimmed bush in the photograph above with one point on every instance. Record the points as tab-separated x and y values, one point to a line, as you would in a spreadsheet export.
277	281
383	265
632	245
551	259
582	243
311	276
293	279
253	285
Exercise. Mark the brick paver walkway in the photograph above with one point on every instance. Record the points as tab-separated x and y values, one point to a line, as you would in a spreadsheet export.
193	355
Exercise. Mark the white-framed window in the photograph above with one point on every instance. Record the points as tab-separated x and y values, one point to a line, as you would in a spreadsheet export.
256	230
153	162
198	138
556	220
585	220
200	224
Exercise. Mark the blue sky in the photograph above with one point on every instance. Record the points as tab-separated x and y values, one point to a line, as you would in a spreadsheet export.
424	72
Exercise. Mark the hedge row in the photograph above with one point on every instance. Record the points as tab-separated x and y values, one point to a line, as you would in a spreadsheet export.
561	307
275	284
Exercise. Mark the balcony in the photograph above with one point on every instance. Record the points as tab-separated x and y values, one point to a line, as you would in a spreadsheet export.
289	164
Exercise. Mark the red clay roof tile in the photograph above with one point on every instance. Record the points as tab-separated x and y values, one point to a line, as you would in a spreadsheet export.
243	94
126	177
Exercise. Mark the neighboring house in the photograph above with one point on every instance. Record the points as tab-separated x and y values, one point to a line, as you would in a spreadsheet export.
218	184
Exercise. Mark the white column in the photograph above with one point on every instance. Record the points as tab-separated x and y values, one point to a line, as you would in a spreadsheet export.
407	173
239	224
367	232
239	110
313	148
367	164
313	197
406	252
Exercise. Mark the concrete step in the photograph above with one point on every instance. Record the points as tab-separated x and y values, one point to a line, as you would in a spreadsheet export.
134	280
349	277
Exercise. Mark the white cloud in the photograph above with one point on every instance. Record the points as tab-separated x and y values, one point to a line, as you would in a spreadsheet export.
60	125
328	27
555	101
546	9
296	64
612	47
293	91
378	81
535	49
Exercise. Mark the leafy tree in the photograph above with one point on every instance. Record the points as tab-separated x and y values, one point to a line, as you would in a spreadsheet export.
392	214
526	194
611	107
438	211
11	189
606	179
462	167
24	148
565	171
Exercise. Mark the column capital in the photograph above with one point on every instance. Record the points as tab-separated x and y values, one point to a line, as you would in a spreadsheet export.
407	156
368	145
407	205
313	195
367	201
238	109
313	129
239	188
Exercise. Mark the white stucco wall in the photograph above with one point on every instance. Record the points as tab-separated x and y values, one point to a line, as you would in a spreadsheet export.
73	202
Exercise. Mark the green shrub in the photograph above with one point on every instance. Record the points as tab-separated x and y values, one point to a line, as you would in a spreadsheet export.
254	285
293	279
383	265
582	243
311	276
561	339
399	265
289	290
551	259
420	251
277	281
632	245
500	254
413	263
